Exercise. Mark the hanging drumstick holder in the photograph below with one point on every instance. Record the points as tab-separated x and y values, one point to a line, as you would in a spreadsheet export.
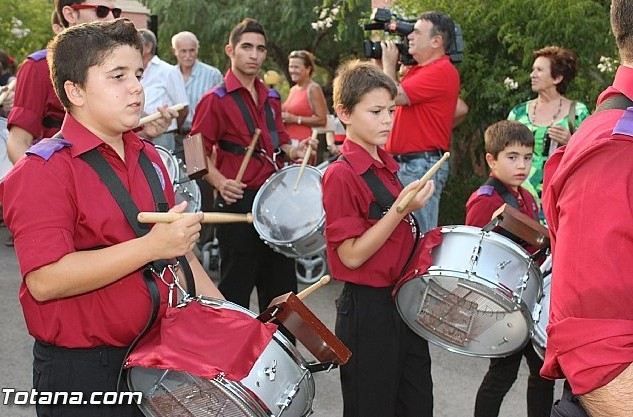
522	228
289	310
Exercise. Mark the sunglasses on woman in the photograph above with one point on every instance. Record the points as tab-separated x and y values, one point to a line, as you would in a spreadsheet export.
102	11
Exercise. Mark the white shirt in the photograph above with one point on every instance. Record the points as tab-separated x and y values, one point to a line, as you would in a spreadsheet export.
203	77
163	84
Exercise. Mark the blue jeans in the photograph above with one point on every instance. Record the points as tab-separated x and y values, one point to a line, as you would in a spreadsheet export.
413	170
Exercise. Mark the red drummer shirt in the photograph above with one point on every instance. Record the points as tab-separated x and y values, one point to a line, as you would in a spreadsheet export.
346	200
35	98
218	117
59	205
588	204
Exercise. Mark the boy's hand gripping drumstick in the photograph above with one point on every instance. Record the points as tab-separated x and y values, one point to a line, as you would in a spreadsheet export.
247	156
158	115
306	158
209	217
425	178
312	288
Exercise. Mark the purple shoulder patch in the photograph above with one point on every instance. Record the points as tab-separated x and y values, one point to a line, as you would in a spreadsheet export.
624	126
47	147
272	93
219	91
38	55
485	190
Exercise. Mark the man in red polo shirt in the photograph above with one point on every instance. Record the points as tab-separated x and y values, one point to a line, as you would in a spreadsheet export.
588	201
427	103
246	260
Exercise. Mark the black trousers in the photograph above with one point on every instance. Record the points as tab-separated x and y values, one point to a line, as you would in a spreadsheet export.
247	262
57	369
569	405
499	379
389	372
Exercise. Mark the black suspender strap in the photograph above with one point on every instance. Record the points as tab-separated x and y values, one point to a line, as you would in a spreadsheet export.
270	118
619	101
503	191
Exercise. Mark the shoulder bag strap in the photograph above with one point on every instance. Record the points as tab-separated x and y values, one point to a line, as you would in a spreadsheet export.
618	101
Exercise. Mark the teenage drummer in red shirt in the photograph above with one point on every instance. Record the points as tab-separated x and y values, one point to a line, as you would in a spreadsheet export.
227	116
509	147
83	294
368	246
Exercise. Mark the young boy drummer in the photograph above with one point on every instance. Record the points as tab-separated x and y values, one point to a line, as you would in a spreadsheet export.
389	372
509	146
83	293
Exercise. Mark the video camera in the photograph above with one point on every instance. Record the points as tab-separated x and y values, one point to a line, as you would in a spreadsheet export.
391	23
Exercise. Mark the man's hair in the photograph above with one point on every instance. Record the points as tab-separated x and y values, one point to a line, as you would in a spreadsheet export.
78	48
245	26
442	25
622	27
60	4
562	63
356	78
148	39
184	34
500	135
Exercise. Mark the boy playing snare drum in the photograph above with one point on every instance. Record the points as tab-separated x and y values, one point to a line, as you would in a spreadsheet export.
389	372
83	295
509	146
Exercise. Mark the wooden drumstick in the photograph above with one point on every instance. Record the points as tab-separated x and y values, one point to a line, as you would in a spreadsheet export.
6	90
247	157
312	288
158	115
425	178
209	217
306	158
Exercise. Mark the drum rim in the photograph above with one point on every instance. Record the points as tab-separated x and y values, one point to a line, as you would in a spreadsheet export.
162	150
539	335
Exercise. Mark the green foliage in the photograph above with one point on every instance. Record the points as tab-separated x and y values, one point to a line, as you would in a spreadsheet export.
25	26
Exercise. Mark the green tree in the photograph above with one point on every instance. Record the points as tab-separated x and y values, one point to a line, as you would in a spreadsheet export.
25	26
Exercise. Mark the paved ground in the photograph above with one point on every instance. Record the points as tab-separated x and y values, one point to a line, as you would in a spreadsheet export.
456	377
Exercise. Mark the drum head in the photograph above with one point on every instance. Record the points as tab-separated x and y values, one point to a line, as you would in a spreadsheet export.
477	297
283	214
171	163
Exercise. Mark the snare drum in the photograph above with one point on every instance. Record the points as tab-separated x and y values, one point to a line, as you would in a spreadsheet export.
184	188
279	383
540	315
477	297
291	220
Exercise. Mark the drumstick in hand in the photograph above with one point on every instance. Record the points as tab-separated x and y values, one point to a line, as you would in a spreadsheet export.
306	158
312	288
158	115
209	217
6	90
425	178
247	157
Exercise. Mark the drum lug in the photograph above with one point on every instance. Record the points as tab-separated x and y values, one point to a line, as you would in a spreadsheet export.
271	372
536	313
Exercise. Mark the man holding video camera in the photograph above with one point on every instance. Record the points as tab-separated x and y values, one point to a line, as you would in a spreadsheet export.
427	99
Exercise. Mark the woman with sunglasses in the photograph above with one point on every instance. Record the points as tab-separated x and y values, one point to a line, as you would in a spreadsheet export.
305	106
